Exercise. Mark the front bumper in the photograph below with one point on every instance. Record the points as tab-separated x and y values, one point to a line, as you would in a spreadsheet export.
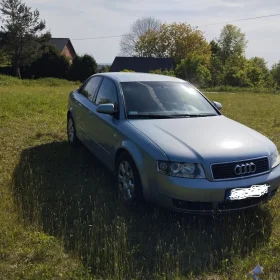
201	195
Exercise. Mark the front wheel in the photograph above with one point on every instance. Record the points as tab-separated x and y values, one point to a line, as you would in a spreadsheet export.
129	185
71	132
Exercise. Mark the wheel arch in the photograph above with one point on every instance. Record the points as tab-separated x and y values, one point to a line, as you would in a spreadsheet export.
133	151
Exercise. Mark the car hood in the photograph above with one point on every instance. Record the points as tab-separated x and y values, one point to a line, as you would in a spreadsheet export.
205	139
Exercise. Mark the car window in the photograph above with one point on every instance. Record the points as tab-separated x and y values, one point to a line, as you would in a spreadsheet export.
107	93
164	98
90	88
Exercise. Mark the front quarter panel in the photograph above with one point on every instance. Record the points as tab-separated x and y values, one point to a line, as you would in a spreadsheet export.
145	154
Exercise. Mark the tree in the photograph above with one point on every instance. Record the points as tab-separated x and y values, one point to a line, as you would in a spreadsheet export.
22	32
177	40
193	70
275	72
50	64
82	68
148	45
258	73
215	48
139	27
235	72
232	42
216	69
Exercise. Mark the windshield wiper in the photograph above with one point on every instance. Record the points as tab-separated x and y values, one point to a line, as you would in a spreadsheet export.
151	116
159	116
194	115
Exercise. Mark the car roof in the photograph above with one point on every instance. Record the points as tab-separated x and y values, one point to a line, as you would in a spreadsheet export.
139	77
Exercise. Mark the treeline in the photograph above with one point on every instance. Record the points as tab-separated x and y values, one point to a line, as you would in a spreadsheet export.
220	62
24	49
52	64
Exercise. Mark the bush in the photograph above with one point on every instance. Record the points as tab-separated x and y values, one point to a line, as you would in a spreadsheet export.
48	82
50	64
226	88
127	70
194	71
82	68
275	72
165	72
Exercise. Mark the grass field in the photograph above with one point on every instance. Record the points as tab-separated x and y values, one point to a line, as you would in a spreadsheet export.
60	218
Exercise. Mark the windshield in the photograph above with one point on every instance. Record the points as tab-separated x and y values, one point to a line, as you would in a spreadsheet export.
164	99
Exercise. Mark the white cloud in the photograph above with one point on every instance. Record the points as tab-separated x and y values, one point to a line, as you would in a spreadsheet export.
95	18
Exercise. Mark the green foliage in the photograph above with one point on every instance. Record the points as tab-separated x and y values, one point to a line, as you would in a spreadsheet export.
258	73
43	82
235	72
127	70
222	62
252	73
21	36
176	40
275	72
194	71
216	69
230	89
4	59
165	72
82	68
215	48
232	42
50	64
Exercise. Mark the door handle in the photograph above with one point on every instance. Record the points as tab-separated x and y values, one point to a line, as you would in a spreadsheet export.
78	103
90	113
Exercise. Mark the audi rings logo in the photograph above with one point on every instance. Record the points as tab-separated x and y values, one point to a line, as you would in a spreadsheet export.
245	169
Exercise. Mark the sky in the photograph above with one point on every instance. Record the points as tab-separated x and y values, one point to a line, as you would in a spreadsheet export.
76	19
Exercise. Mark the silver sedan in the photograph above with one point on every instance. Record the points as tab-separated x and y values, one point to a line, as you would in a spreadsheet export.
167	143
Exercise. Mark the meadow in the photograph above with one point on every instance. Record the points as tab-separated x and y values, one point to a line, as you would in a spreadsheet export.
60	217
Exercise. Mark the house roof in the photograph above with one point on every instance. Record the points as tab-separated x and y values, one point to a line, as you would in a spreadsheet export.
60	43
141	64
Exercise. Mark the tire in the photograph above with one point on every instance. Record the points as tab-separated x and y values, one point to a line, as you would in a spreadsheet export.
128	180
71	132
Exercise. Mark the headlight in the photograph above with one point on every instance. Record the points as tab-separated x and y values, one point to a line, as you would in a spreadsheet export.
178	169
274	159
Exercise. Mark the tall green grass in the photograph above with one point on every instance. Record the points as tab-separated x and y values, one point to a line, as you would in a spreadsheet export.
240	89
60	217
48	82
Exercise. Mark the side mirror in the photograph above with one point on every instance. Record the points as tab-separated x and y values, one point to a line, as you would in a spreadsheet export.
108	109
218	105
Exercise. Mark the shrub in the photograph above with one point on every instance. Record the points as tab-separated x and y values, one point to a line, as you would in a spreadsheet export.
127	70
194	71
50	64
82	68
164	72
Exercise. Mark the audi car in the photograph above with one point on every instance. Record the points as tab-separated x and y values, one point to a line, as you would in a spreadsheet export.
168	144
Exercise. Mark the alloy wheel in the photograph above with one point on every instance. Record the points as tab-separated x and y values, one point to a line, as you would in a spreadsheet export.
126	181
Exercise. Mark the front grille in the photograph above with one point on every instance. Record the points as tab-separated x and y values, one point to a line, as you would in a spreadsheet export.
223	171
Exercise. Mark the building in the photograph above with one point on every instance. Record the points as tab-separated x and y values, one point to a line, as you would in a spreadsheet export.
64	46
142	64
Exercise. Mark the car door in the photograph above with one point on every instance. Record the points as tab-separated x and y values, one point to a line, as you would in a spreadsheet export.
103	128
84	98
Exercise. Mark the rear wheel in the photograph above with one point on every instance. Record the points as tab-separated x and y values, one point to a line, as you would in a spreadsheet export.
128	180
71	132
